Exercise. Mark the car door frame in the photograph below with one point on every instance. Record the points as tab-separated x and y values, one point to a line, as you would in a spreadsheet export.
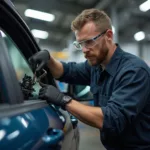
24	40
13	98
27	43
12	23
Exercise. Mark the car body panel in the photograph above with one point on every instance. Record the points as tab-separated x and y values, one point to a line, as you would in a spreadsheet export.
27	130
28	124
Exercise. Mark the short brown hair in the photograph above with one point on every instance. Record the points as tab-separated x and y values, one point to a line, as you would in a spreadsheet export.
100	18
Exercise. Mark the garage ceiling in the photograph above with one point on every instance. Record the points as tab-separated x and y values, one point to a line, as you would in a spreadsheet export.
130	18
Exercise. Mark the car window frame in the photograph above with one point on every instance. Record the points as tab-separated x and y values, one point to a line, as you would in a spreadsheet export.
19	31
8	77
20	34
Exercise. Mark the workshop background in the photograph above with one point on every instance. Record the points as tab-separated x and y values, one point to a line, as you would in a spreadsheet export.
131	27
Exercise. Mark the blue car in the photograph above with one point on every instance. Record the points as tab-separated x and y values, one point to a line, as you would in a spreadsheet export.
26	122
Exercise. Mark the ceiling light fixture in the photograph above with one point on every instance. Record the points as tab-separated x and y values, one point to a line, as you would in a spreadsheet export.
145	6
39	15
139	36
40	34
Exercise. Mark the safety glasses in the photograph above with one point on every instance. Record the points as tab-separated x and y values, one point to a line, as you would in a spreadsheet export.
87	43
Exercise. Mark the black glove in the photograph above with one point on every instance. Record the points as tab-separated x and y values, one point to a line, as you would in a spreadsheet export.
41	59
54	96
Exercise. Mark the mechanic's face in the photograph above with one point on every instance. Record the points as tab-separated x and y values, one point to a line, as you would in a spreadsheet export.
94	51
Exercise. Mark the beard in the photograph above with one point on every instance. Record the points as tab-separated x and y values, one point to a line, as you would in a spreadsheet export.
92	62
98	59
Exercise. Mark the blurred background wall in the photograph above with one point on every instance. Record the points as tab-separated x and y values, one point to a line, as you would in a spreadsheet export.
130	22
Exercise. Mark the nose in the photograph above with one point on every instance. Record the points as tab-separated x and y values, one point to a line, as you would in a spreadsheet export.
84	49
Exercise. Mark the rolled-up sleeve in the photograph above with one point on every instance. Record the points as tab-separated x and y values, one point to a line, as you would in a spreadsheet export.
76	73
128	99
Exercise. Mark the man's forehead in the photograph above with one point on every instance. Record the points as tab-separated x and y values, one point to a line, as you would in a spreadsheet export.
87	31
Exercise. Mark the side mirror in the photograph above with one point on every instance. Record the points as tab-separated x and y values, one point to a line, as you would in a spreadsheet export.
80	92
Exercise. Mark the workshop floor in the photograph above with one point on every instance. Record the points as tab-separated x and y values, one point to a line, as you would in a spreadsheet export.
89	138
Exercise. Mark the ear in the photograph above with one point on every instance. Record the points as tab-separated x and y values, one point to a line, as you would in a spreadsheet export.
109	35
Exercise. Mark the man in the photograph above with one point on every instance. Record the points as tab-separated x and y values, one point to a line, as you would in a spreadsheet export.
120	83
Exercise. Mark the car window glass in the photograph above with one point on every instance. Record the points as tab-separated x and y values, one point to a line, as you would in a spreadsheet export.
20	64
82	92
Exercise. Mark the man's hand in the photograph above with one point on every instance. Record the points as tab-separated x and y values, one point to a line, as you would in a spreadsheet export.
39	60
54	96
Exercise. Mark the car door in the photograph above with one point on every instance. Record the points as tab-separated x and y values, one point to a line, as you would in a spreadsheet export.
32	121
27	124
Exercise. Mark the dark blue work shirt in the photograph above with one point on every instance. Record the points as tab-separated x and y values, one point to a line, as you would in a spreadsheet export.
122	91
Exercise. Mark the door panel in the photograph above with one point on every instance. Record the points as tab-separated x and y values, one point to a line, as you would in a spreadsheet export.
33	122
27	130
22	132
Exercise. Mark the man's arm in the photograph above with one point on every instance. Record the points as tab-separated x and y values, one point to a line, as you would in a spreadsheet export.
92	116
56	68
73	73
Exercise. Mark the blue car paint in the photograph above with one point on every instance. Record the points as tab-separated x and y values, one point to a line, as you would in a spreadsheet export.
32	130
28	131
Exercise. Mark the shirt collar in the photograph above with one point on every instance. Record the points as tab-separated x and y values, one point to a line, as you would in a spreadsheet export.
111	67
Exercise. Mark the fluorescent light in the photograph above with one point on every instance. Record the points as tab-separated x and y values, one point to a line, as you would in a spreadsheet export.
139	36
39	15
145	6
40	34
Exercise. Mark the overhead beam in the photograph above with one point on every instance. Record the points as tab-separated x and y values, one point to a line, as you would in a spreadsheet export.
139	13
103	4
48	5
48	27
53	44
132	17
